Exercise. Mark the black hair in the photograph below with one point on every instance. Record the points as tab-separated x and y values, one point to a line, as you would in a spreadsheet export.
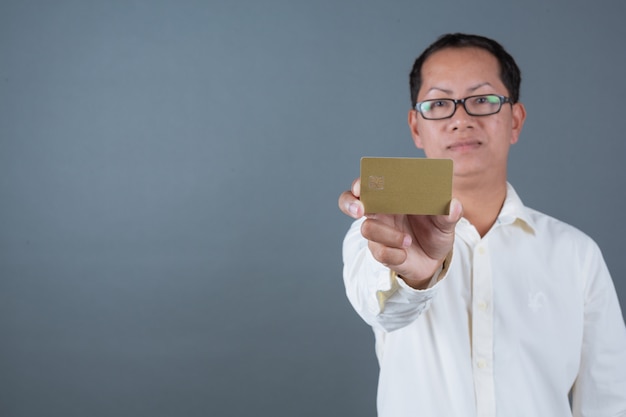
509	71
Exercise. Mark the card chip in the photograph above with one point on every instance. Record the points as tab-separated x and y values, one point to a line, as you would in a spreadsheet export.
376	182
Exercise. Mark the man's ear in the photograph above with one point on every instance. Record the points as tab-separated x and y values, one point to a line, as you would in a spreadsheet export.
413	119
518	113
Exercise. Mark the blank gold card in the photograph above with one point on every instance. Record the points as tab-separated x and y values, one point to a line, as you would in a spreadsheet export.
406	185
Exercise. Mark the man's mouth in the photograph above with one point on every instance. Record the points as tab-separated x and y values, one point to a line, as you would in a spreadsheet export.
465	145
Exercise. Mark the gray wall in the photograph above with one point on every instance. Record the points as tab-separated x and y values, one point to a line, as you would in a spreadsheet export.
169	237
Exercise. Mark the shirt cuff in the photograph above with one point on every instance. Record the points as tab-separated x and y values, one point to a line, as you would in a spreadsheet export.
408	292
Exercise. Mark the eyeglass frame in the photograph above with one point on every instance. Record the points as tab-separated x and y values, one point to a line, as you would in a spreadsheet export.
503	99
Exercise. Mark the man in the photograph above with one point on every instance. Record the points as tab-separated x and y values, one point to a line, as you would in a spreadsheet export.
495	309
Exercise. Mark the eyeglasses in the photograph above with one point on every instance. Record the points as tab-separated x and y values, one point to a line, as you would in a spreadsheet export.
444	108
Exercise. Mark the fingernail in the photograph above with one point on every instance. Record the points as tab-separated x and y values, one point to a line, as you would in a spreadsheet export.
406	242
353	209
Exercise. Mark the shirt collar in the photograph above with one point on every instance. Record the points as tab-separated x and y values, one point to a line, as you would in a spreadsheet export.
513	210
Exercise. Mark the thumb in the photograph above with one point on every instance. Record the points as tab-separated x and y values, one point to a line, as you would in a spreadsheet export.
447	223
456	211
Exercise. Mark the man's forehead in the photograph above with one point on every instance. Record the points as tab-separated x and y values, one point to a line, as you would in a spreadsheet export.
471	66
460	57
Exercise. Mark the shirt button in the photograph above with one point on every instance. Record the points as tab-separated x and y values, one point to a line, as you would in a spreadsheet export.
482	364
482	305
482	250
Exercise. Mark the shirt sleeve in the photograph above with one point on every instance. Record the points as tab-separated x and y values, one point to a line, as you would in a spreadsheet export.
383	300
600	388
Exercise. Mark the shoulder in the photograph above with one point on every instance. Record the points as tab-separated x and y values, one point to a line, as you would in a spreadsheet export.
557	231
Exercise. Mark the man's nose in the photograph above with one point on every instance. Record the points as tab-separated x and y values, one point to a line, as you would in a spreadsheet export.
461	117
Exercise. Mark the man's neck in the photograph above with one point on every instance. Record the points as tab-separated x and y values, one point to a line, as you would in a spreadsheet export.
482	201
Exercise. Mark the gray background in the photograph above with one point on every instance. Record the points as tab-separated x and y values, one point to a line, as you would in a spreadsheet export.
169	237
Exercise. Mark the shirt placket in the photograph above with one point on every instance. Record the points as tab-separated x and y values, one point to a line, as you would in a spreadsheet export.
482	330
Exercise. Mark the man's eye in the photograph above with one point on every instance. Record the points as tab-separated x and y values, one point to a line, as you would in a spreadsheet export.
487	100
435	105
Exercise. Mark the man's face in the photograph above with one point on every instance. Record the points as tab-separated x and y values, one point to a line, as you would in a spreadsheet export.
478	145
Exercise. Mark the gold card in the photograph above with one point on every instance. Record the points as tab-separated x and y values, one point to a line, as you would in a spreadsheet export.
406	185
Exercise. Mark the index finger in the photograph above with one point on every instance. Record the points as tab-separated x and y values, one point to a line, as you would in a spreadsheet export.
349	202
356	187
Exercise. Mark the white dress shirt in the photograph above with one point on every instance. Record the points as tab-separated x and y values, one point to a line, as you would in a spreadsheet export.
514	322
